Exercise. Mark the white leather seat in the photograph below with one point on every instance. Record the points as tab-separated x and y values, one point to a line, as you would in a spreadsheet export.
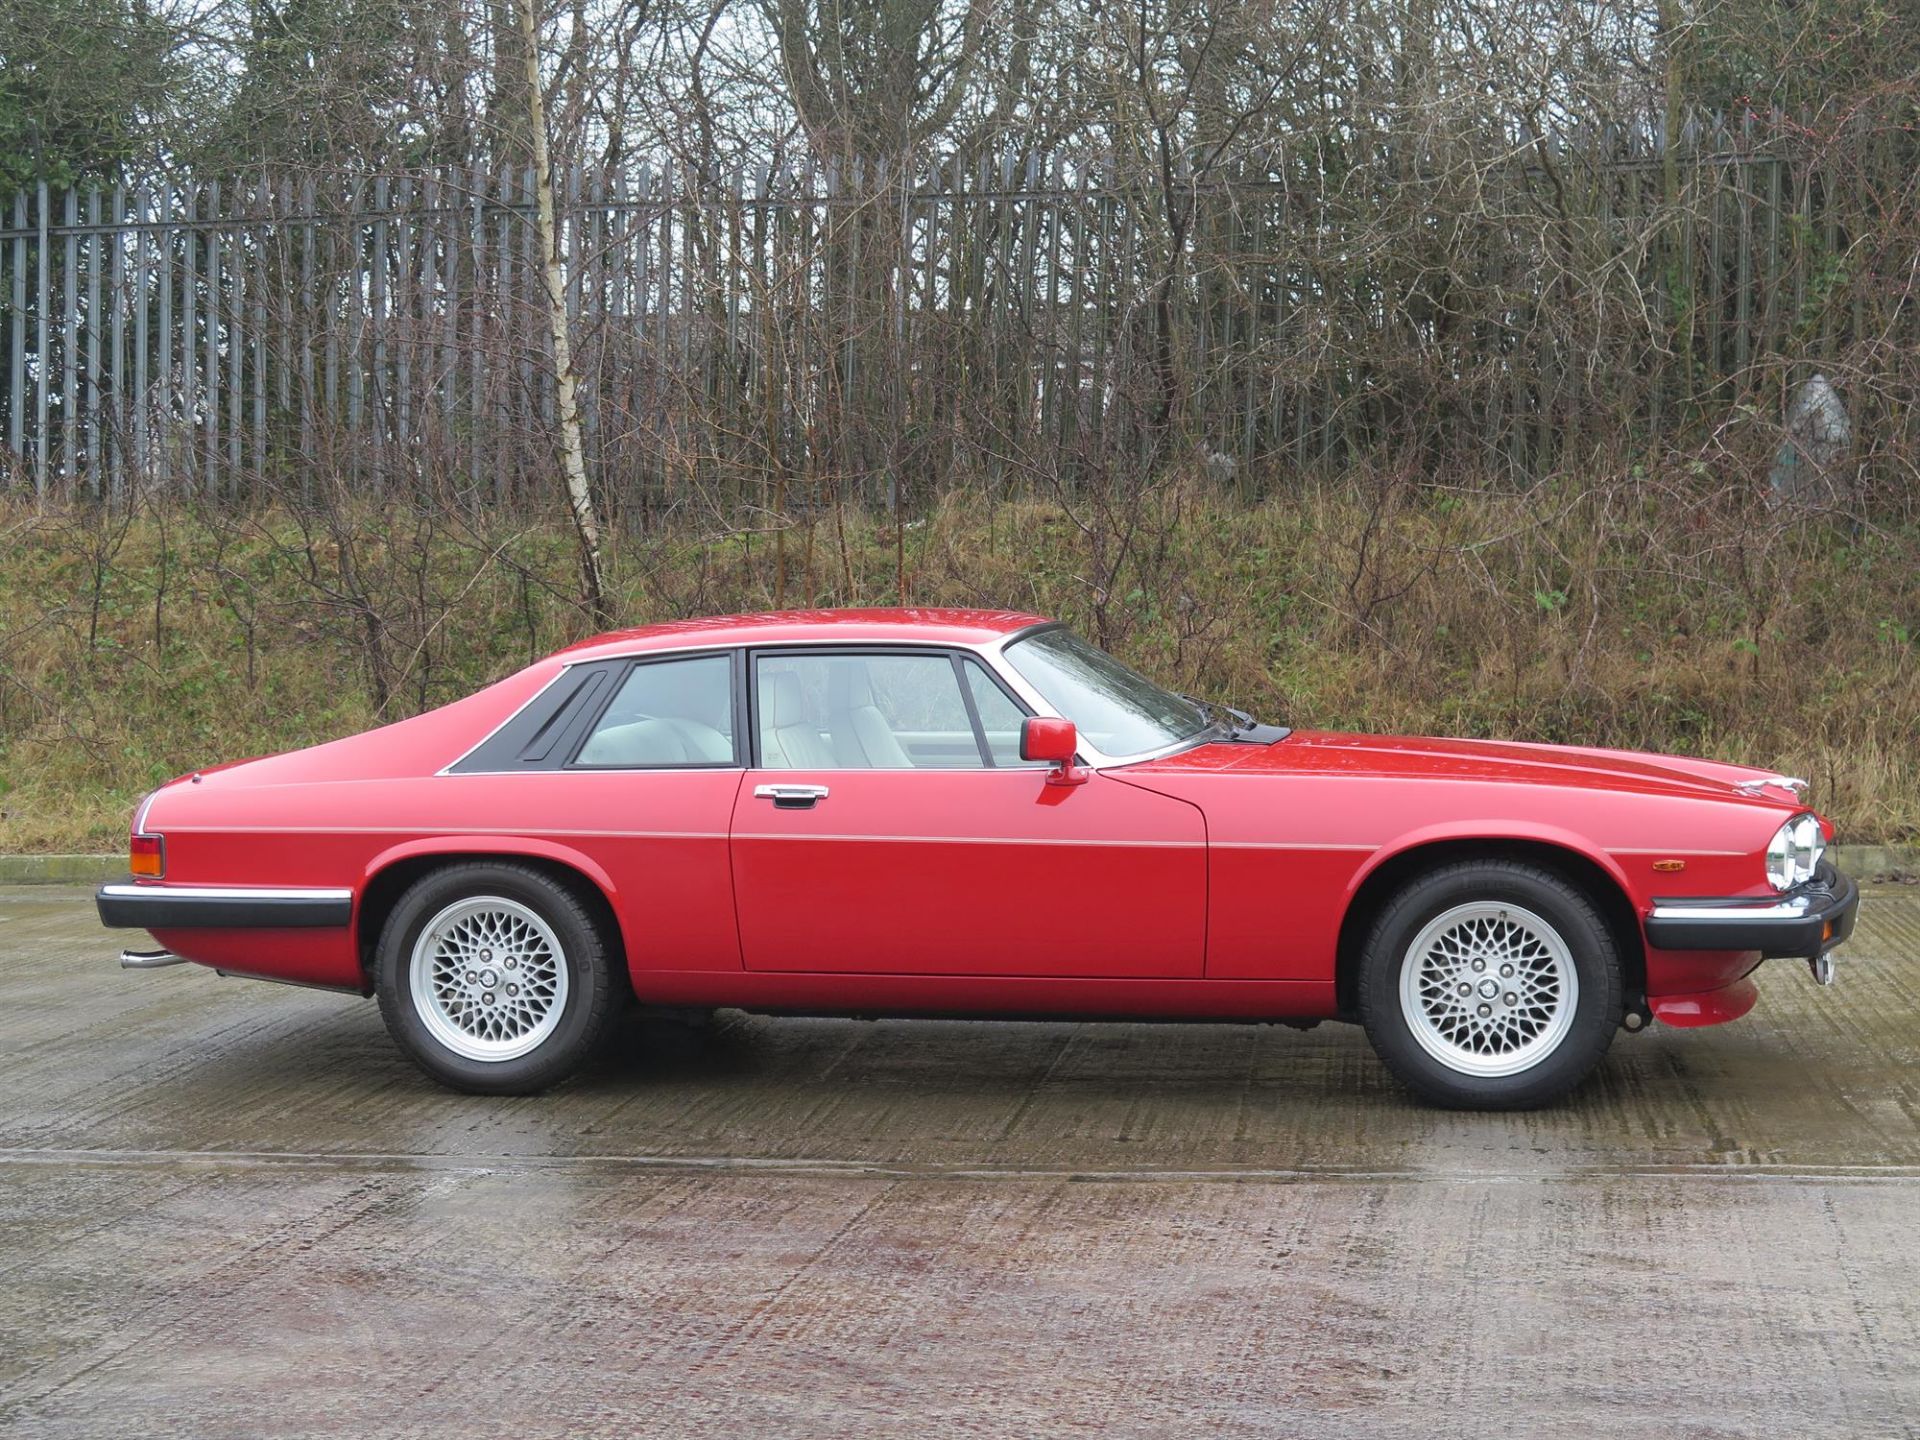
862	739
789	737
657	740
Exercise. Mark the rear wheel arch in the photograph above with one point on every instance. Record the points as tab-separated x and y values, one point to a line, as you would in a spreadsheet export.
386	884
1397	871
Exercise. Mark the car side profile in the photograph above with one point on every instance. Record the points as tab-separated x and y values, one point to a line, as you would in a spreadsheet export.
973	813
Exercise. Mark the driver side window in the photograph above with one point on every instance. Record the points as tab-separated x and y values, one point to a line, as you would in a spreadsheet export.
862	712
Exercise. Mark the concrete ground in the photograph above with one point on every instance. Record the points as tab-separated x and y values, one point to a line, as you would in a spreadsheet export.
232	1209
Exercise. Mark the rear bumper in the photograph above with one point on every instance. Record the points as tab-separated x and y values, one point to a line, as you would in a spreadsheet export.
1803	923
209	907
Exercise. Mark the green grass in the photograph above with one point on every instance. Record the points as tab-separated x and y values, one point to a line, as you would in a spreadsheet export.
133	649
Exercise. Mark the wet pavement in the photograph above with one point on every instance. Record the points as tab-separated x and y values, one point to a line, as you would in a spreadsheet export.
232	1209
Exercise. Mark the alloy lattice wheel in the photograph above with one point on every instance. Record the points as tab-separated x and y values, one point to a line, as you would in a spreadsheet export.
488	978
1488	988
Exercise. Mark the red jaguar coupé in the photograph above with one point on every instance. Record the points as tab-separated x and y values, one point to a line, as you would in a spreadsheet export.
950	812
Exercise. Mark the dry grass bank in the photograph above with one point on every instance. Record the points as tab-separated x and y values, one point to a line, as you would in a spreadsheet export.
133	647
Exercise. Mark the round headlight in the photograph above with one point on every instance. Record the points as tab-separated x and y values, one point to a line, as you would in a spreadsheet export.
1794	852
1811	842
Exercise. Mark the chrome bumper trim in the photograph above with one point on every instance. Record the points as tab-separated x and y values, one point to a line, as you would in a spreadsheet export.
221	892
222	907
1780	910
1806	923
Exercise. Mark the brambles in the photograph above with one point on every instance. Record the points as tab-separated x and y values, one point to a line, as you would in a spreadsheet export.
1688	617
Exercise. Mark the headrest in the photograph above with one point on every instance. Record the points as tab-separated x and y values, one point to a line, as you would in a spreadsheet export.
781	699
848	686
707	700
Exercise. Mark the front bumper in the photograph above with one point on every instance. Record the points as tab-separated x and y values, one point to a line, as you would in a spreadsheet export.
211	907
1804	923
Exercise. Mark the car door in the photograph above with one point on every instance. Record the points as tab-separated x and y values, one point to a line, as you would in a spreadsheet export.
886	825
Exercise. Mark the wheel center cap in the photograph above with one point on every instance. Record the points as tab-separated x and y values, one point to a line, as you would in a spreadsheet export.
1488	989
488	980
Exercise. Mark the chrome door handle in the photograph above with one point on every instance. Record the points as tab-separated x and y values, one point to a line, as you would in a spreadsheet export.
791	797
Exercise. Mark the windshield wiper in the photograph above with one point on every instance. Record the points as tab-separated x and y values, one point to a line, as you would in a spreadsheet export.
1237	722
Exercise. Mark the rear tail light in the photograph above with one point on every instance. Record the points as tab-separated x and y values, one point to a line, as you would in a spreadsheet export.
147	857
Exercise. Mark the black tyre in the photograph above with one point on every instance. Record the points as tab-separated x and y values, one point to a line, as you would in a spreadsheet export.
495	978
1490	985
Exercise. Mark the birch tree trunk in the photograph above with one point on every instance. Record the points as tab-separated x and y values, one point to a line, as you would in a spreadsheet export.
573	456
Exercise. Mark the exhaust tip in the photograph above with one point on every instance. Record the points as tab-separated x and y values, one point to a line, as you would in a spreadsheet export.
149	959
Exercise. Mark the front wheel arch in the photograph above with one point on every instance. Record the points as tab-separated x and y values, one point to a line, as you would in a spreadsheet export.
1396	872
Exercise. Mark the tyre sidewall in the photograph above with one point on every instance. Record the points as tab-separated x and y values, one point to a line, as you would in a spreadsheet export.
584	953
1595	962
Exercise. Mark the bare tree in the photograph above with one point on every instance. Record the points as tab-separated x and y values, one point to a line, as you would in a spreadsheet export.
573	461
875	78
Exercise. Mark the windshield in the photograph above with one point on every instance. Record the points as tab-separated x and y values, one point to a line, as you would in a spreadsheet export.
1119	712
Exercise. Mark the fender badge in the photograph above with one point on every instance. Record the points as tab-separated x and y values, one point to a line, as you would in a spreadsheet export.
1668	867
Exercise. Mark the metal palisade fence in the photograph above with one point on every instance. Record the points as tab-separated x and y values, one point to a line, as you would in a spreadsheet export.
803	332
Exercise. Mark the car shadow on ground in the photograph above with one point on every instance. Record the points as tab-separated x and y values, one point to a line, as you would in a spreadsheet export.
217	1066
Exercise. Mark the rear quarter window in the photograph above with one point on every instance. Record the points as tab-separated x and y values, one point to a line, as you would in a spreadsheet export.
546	730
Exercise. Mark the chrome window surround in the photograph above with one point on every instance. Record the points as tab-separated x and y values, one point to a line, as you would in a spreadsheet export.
989	653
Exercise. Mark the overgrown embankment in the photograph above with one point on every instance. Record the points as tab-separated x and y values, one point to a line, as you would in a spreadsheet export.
134	646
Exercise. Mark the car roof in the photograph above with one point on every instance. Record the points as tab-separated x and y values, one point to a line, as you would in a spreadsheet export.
931	626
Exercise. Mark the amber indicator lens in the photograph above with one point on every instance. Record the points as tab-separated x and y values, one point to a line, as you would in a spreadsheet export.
1668	867
147	857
